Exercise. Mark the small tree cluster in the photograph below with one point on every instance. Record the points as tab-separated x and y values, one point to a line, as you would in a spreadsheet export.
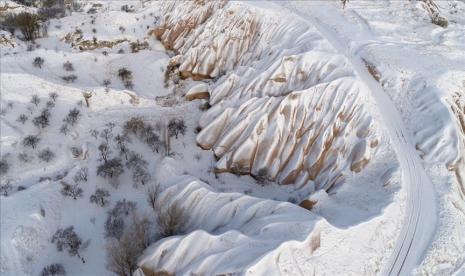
53	270
124	252
71	190
176	127
117	218
67	239
100	197
27	23
31	141
144	132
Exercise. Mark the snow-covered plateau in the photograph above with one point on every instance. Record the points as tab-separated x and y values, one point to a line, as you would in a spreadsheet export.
232	137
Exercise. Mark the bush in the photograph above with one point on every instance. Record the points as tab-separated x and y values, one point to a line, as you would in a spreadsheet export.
31	141
46	155
53	270
111	169
67	239
6	189
68	66
43	120
100	197
35	99
176	127
172	220
53	96
262	176
71	190
81	175
72	117
4	166
38	62
69	78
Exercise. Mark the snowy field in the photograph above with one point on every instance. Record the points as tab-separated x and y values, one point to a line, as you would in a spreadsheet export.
234	138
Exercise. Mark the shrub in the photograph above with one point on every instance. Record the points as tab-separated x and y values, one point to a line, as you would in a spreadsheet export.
31	141
46	155
53	270
100	197
35	99
176	127
67	239
106	82
76	152
38	62
6	189
69	78
43	120
110	169
4	166
81	175
72	117
53	96
64	129
68	66
50	104
71	190
126	76
172	220
22	118
262	176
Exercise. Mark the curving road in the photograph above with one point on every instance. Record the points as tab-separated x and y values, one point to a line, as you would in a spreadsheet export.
421	212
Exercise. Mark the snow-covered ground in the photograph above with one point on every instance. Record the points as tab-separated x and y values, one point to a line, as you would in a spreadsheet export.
319	140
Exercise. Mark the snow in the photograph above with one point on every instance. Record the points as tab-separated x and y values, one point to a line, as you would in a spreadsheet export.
359	110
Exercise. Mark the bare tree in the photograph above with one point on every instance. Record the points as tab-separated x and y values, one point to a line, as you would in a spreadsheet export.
38	62
6	188
71	190
153	194
176	127
68	66
111	169
72	117
121	143
100	197
67	239
105	151
53	96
